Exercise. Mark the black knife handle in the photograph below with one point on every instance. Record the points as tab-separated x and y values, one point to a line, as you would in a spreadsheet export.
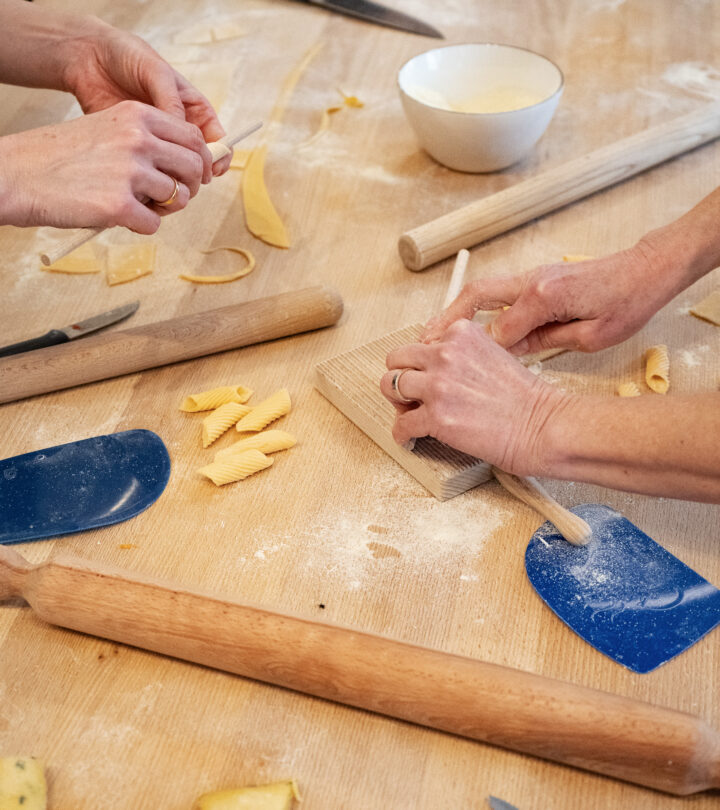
51	338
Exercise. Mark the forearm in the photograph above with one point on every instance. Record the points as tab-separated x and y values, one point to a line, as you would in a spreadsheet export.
37	44
665	446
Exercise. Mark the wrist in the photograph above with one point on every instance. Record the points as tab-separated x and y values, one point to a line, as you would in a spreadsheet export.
77	50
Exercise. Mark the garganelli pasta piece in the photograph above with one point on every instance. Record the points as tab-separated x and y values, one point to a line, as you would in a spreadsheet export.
657	368
267	441
267	411
221	419
628	389
235	467
209	400
227	276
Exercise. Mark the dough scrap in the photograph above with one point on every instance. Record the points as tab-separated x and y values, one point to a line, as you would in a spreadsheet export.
577	257
129	262
222	279
215	397
80	261
628	389
22	784
235	467
278	796
261	218
708	309
205	34
240	158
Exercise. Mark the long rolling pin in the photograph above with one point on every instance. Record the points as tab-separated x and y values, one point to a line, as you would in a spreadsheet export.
125	352
616	736
79	236
554	188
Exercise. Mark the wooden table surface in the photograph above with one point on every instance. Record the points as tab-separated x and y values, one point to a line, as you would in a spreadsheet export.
336	529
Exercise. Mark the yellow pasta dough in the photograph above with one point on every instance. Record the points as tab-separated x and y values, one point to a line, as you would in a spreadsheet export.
657	369
240	158
204	34
709	308
227	277
261	218
577	257
80	261
628	389
235	467
209	400
278	796
267	411
221	419
267	441
128	262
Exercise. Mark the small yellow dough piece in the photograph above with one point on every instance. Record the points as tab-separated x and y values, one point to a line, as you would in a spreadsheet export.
221	419
228	276
657	369
350	100
81	261
709	308
129	262
577	257
235	467
261	218
240	158
215	397
204	34
628	389
22	784
267	441
278	796
267	411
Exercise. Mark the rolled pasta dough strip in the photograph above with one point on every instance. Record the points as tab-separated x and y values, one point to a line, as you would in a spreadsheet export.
267	411
209	400
221	419
267	441
278	796
235	467
227	277
657	369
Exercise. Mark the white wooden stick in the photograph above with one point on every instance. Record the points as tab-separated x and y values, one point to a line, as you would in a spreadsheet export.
80	236
457	278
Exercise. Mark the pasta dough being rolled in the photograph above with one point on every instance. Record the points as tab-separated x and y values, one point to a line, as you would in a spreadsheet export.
221	419
235	467
209	400
267	441
267	411
657	369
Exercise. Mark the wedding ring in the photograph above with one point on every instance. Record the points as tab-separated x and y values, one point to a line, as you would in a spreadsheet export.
171	199
395	385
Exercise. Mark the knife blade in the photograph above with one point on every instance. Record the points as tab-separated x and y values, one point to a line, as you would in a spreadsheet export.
374	12
74	330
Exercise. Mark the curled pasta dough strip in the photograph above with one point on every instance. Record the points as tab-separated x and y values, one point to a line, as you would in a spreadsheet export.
657	369
628	389
267	411
235	467
215	397
221	419
268	441
228	276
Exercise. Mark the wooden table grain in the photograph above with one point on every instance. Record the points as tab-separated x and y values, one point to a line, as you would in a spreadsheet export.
336	529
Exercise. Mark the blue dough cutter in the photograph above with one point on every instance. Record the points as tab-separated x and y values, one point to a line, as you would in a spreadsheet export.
81	485
622	593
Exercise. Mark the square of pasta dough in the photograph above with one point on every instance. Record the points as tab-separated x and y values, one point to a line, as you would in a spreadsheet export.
81	261
128	262
709	308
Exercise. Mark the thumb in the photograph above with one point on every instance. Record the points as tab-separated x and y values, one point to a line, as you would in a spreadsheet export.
512	325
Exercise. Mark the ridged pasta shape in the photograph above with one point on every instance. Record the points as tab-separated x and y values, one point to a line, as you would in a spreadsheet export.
628	389
267	441
235	467
657	369
221	419
215	397
267	411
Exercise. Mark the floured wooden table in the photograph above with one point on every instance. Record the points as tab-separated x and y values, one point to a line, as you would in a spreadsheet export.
335	529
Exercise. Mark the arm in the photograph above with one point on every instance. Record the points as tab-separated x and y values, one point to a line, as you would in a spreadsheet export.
473	395
598	303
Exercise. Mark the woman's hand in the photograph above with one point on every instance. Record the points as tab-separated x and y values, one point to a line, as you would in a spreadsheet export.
585	306
96	170
471	394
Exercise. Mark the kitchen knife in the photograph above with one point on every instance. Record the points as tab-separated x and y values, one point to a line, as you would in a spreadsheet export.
75	330
374	12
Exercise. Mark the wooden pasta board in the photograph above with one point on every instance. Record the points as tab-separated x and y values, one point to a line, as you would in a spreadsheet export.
350	382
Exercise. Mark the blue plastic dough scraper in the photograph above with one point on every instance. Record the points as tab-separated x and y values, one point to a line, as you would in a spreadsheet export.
81	485
622	592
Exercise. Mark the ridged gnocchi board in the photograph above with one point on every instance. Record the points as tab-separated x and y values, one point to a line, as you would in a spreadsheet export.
351	382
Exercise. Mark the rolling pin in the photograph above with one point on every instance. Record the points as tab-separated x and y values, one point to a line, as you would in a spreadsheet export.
80	236
616	736
112	354
554	188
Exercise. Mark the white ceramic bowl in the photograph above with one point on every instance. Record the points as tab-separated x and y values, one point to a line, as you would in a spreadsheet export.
479	107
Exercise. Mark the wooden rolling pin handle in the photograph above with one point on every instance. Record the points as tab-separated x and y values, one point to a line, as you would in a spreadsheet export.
609	734
111	354
556	187
573	528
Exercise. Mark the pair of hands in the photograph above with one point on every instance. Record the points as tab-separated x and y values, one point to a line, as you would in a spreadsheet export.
145	126
468	389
